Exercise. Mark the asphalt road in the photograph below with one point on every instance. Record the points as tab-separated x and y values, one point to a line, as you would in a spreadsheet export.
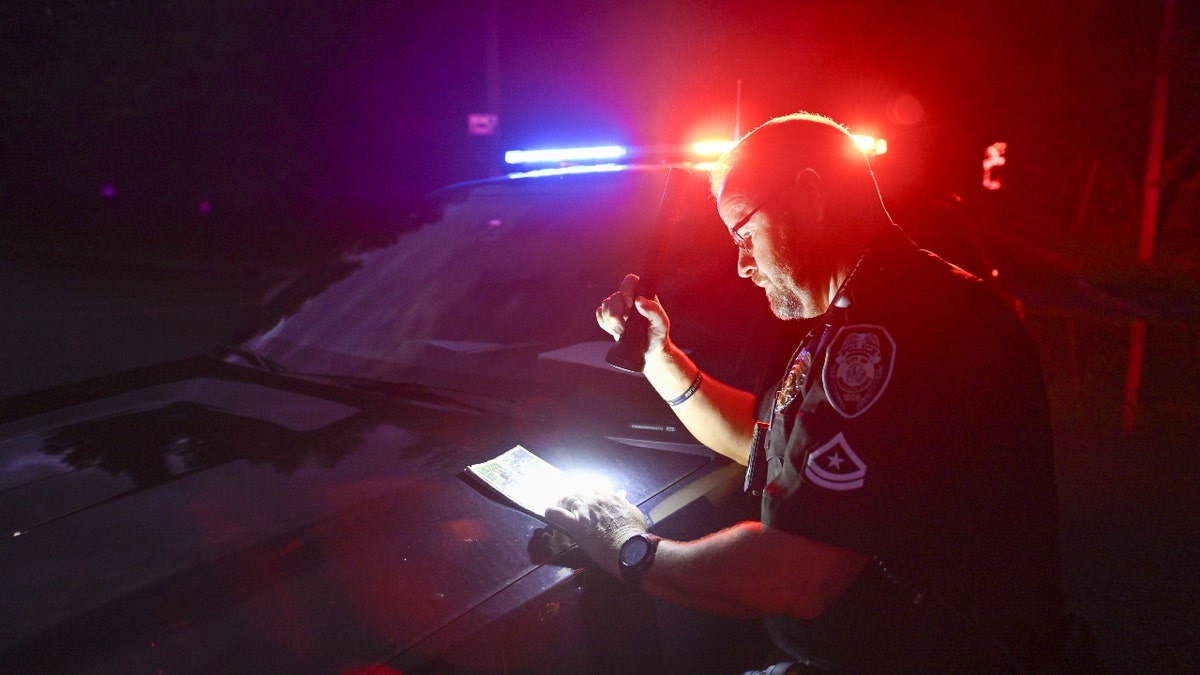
1123	380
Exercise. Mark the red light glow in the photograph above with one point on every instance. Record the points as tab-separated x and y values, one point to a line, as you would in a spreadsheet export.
712	148
870	145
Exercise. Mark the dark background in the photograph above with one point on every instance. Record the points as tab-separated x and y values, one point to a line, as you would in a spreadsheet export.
301	124
255	122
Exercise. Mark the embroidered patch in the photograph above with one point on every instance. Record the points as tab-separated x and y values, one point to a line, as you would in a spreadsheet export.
835	466
858	367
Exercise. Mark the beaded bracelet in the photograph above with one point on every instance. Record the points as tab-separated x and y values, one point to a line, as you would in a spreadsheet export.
690	390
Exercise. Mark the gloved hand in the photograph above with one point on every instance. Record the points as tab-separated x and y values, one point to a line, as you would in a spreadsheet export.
598	523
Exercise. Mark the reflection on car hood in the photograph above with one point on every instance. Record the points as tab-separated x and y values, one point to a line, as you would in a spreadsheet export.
146	437
209	523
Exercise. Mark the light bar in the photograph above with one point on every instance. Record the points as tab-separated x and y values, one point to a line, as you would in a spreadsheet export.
869	144
608	152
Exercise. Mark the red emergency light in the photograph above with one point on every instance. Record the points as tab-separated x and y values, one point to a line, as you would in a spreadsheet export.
870	145
712	148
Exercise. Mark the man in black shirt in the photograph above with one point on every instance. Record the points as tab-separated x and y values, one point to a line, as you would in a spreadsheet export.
905	460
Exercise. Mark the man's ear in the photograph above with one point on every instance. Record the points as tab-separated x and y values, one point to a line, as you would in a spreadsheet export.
810	190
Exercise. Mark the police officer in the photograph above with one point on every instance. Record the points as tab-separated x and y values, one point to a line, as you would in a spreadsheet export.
904	461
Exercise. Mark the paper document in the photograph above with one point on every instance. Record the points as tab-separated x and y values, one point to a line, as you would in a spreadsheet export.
525	479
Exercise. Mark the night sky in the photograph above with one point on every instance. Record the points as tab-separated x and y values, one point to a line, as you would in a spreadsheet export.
255	113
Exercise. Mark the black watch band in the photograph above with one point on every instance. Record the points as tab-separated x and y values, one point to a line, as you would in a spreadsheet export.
636	556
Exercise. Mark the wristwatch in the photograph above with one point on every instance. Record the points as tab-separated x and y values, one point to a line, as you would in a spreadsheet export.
637	554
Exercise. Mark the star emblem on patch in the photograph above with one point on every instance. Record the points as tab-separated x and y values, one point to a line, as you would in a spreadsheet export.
835	466
858	367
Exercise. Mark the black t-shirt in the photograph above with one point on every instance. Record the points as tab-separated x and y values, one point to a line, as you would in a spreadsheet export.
913	427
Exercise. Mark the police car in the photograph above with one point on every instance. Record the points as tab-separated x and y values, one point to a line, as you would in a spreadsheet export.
298	499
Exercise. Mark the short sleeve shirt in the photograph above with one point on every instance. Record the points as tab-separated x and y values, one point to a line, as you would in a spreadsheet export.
912	426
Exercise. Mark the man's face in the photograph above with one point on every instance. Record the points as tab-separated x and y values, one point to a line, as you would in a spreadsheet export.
780	245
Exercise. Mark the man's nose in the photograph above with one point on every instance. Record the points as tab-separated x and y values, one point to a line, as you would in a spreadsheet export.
745	263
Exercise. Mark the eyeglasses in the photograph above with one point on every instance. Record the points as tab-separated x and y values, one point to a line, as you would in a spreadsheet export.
744	242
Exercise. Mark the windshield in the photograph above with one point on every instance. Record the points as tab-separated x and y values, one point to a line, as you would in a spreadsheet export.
499	282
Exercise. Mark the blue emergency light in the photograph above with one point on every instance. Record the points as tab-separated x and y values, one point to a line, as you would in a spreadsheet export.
552	155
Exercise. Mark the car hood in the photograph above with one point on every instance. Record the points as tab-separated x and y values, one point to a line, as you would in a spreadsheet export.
208	519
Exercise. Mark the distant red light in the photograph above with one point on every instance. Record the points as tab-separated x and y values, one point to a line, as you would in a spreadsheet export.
993	158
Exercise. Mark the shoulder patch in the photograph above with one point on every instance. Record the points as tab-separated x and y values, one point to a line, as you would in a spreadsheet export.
858	367
835	466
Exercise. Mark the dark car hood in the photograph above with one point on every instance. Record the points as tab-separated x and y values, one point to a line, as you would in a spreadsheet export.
202	521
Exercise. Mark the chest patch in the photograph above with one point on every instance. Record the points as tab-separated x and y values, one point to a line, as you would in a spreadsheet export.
835	466
858	367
